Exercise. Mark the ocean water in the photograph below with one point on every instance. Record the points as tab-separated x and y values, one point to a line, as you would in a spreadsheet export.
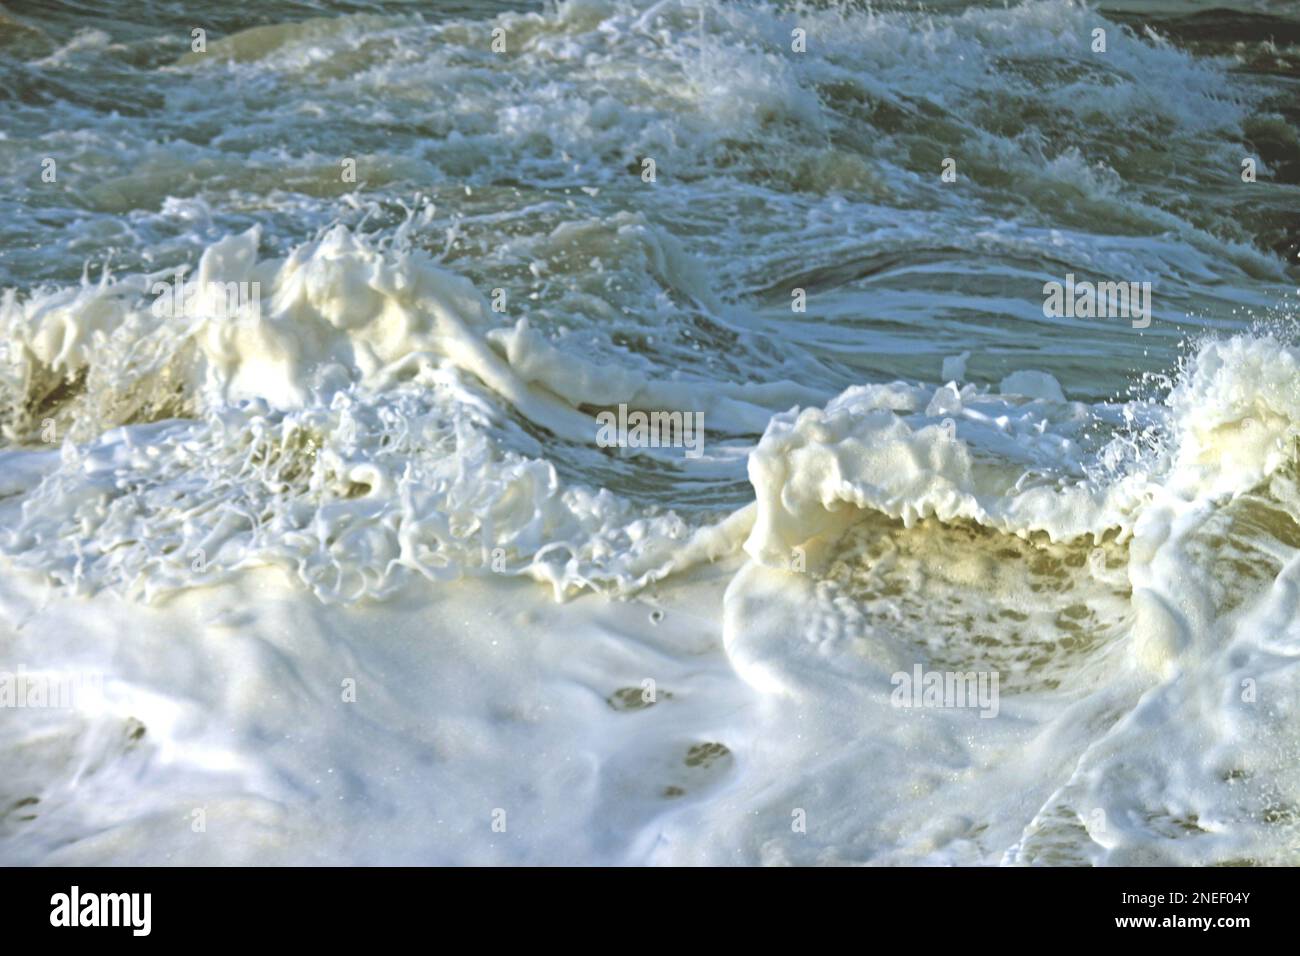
346	570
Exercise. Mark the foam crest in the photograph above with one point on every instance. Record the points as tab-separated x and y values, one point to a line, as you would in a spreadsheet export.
1028	462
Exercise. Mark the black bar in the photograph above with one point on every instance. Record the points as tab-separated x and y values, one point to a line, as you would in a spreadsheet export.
329	906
